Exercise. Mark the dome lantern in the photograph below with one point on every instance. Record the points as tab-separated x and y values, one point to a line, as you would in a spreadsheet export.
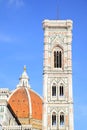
24	79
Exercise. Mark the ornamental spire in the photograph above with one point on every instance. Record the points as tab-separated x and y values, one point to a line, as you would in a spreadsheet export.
25	68
23	80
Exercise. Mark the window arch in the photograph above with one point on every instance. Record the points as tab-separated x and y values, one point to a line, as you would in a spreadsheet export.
54	119
61	90
61	119
58	57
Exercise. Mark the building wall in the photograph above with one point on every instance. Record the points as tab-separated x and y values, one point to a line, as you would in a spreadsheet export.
57	37
6	118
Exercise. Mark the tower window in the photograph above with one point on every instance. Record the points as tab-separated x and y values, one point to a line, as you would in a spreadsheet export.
54	119
57	59
61	91
53	90
61	119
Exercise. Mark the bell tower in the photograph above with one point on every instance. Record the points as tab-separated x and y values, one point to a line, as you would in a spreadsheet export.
57	75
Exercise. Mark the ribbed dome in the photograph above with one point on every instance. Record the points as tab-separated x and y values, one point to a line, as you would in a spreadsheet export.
25	103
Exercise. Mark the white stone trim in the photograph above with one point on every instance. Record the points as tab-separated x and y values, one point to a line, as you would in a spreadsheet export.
29	100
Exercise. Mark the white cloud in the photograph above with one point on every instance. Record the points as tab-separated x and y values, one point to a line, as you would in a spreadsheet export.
17	3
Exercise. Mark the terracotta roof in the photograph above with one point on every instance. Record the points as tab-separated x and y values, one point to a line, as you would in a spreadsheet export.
36	105
25	103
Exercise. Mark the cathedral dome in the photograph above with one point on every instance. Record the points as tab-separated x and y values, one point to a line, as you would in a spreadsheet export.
24	102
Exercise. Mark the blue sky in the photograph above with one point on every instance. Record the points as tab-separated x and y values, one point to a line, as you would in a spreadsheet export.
21	43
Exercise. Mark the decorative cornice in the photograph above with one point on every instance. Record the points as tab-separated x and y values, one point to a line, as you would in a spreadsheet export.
57	24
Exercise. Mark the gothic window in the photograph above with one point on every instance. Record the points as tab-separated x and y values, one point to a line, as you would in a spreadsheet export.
62	119
53	119
53	90
57	59
61	90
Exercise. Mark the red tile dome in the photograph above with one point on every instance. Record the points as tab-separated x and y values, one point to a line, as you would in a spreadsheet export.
25	103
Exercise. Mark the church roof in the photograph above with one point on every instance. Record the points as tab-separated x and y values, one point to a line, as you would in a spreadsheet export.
24	102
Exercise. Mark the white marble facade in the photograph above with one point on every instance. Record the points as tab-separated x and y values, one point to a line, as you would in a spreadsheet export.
57	87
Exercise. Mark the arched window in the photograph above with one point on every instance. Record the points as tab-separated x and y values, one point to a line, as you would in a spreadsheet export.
57	59
62	119
61	90
53	90
54	119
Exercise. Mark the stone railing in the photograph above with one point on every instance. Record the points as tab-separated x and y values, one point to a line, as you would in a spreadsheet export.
21	127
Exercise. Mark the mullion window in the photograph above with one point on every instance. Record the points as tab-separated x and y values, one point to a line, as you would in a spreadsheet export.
53	90
61	120
61	90
57	59
54	120
60	60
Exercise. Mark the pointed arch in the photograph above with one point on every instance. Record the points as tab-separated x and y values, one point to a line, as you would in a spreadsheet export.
53	89
57	56
62	122
54	81
61	81
54	118
61	118
61	88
